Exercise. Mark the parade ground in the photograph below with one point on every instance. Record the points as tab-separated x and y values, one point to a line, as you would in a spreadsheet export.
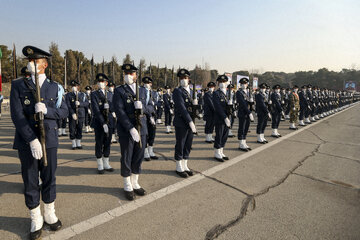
304	185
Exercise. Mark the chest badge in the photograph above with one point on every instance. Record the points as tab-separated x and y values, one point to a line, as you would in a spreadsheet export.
72	100
27	102
100	103
128	100
186	100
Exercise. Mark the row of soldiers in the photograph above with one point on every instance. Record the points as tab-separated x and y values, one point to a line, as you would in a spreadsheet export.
132	111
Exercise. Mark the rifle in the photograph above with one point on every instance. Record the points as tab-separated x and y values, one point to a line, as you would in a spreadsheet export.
40	117
106	112
230	105
138	112
195	108
14	60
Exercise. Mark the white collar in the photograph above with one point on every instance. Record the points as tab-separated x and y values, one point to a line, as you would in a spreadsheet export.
223	90
42	78
133	87
187	88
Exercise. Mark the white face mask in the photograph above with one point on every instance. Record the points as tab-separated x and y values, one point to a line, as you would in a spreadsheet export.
74	89
88	92
168	91
102	85
277	90
223	85
244	86
147	85
296	90
31	67
211	89
184	82
263	90
129	79
111	89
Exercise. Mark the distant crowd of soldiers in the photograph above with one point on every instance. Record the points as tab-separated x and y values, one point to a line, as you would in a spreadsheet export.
129	113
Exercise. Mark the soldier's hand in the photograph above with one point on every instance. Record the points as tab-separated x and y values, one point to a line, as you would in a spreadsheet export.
114	114
74	116
106	106
270	102
227	122
195	102
152	121
251	116
269	115
135	135
77	103
171	112
192	127
40	107
106	128
89	111
36	150
138	104
294	109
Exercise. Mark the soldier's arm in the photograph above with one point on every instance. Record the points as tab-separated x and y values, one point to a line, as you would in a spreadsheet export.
68	103
219	109
96	110
240	99
60	110
120	110
180	104
85	102
17	115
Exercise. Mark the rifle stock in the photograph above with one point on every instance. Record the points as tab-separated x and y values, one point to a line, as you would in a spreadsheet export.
138	112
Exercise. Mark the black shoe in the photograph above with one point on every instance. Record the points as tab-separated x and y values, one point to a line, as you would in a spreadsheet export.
219	159
140	191
226	158
109	169
129	195
154	157
275	136
64	135
79	147
261	142
293	128
231	136
209	141
279	135
35	235
182	174
101	171
265	141
190	173
244	149
73	148
55	226
249	149
147	159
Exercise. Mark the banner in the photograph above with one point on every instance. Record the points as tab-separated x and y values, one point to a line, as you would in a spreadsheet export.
350	86
238	77
229	75
255	83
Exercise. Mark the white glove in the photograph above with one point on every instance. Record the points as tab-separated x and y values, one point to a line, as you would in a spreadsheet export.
195	102
114	114
294	109
192	126
251	116
171	112
251	99
270	102
40	107
138	105
227	122
106	128
106	106
282	102
200	115
282	113
152	121
89	111
135	135
235	113
36	150
269	115
74	116
77	103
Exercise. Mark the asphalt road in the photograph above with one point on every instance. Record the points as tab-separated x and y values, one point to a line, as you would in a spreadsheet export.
305	185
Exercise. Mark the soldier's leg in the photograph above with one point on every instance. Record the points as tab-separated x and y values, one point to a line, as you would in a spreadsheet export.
30	176
78	134
188	143
224	136
218	136
181	137
72	125
126	148
106	150
47	175
242	128
99	142
138	155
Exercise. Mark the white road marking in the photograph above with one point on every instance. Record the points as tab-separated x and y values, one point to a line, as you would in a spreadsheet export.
107	216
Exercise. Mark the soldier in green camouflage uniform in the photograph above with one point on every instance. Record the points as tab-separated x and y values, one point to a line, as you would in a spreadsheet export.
294	107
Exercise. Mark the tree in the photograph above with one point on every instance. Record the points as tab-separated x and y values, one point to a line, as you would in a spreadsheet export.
57	64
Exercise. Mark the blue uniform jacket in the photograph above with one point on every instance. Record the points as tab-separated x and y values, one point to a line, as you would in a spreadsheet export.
276	102
167	102
242	101
123	102
209	108
70	101
22	105
220	104
98	111
182	107
149	107
303	100
261	107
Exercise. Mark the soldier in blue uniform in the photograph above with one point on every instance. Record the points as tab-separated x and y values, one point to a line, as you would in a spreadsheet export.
112	86
77	104
221	117
88	115
303	105
262	112
230	95
183	123
1	100
168	108
103	123
209	110
150	117
24	111
132	152
62	122
244	113
277	111
159	105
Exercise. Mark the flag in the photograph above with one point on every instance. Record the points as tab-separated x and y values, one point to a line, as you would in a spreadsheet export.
0	71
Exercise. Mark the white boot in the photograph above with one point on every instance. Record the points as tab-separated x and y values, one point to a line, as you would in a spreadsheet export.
263	138
223	155
37	219
313	119
218	155
49	213
186	168
274	133
230	133
259	138
301	123
113	138
208	138
168	129
204	123
134	181
127	184
107	166
307	120
100	164
287	117
59	131
86	129
63	131
292	126
78	144
151	152
242	145
212	139
179	166
158	121
73	143
146	154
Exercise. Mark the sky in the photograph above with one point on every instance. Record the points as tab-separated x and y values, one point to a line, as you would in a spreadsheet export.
229	35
